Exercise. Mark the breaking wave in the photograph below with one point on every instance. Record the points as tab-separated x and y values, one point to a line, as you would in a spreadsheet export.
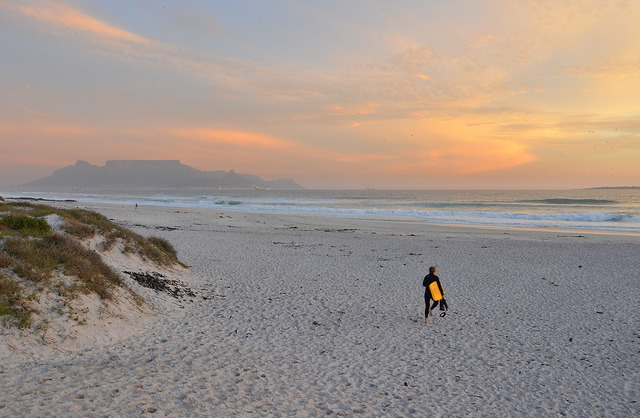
564	201
493	208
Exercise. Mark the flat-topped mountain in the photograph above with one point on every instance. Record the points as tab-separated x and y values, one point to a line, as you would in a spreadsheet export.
151	174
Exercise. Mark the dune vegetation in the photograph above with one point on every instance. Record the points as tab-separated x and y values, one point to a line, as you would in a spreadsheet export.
36	257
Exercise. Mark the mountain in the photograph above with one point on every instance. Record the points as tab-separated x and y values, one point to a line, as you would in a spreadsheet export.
125	174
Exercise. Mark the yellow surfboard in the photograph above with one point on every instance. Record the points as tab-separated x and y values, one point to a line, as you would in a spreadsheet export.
435	291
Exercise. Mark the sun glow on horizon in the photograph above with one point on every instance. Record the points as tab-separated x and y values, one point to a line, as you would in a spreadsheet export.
408	96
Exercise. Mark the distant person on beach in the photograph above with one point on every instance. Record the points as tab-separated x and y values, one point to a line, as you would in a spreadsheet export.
428	279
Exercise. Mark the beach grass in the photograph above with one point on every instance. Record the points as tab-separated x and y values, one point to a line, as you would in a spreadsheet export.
14	309
33	256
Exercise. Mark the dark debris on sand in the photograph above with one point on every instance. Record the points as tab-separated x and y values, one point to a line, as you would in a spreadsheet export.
159	283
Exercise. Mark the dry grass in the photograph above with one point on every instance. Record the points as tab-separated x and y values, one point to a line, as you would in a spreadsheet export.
31	252
84	224
37	260
79	229
14	309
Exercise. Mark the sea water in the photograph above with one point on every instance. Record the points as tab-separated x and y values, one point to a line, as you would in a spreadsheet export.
606	209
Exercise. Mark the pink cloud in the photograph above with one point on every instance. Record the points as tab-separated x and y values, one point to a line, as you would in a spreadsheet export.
237	138
63	15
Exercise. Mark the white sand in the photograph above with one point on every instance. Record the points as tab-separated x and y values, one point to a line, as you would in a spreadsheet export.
316	317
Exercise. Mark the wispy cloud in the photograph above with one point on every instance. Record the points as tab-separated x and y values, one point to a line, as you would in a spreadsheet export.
61	19
47	130
61	15
239	139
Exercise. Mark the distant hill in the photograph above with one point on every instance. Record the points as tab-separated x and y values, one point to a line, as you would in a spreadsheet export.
615	188
120	174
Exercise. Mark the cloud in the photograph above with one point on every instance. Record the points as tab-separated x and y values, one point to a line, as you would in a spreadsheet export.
187	19
420	75
414	61
62	19
237	139
242	141
61	15
11	131
320	93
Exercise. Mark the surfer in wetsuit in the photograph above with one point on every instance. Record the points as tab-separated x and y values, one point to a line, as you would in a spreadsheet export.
428	279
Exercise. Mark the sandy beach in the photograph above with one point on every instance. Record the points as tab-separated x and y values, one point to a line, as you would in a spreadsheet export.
309	317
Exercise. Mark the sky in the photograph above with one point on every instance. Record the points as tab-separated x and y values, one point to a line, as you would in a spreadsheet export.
408	94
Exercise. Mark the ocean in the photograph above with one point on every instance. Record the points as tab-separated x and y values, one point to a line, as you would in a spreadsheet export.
607	209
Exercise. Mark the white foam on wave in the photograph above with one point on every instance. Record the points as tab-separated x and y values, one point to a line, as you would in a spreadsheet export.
436	212
591	220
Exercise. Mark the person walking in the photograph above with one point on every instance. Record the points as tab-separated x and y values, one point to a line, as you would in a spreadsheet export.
428	296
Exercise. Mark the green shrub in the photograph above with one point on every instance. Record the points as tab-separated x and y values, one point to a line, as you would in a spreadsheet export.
26	224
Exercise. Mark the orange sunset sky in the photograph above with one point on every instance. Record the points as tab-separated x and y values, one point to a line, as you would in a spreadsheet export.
422	94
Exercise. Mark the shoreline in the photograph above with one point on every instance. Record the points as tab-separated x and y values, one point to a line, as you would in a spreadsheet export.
517	209
400	225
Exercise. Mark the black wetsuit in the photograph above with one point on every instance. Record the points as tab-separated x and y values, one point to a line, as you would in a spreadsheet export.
428	279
